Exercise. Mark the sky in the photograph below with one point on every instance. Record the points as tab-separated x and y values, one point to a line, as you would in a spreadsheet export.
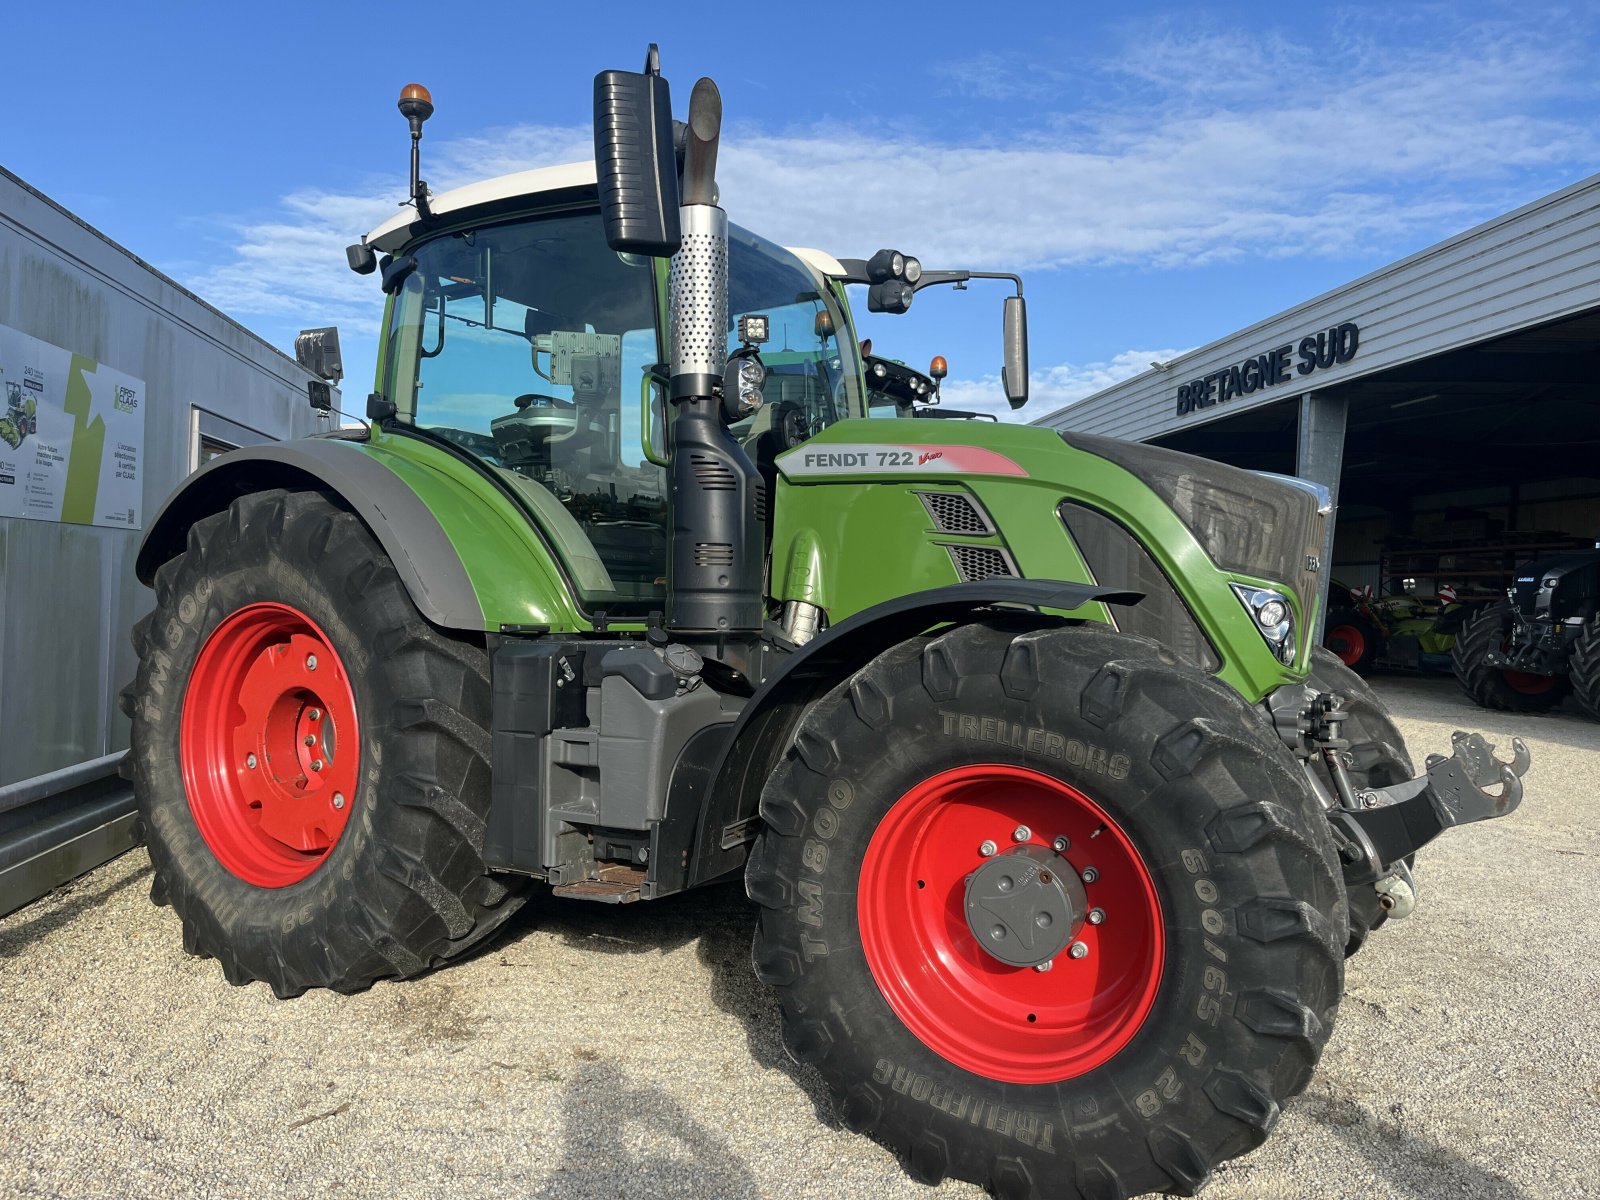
1160	174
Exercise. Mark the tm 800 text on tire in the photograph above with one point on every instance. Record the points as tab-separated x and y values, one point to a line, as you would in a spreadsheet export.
311	758
1050	911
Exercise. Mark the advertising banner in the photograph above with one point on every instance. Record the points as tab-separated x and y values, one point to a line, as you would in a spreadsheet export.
71	436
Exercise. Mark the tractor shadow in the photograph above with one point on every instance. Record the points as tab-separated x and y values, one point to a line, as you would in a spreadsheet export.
1418	1167
651	1139
719	920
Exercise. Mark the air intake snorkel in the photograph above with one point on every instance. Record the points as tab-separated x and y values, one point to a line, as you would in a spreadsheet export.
714	569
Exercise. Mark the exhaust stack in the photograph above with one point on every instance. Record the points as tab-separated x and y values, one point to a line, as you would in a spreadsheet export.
714	573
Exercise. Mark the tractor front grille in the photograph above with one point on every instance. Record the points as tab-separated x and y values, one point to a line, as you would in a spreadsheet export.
974	563
954	513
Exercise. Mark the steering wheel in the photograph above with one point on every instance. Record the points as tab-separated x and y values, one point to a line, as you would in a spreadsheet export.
530	399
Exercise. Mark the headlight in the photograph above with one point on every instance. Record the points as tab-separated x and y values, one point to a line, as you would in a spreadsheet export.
1273	617
913	269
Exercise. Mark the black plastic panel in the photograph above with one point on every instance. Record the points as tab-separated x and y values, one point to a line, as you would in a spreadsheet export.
1244	521
1116	559
538	686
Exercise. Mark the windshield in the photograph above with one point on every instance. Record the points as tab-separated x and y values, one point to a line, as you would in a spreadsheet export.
812	373
526	344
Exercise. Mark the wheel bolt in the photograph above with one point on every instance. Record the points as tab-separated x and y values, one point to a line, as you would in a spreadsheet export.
338	799
1096	916
250	761
313	714
310	740
1062	844
311	662
1021	833
1079	950
987	848
316	764
1090	874
1044	966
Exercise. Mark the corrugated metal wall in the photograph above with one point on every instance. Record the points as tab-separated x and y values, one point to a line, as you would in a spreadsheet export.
67	592
1534	265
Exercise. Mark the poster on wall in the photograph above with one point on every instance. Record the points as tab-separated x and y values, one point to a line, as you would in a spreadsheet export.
71	436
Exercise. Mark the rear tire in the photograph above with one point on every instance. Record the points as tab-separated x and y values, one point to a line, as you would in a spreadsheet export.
1491	687
861	854
1379	758
267	870
1583	668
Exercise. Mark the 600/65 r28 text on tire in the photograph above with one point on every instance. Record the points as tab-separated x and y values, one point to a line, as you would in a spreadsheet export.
1196	951
311	757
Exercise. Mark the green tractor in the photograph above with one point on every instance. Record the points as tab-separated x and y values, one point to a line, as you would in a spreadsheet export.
1059	824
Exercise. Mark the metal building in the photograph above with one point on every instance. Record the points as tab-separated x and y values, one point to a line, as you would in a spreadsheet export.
115	382
1450	400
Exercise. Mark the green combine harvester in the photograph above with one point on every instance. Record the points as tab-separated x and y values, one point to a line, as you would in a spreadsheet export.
1059	822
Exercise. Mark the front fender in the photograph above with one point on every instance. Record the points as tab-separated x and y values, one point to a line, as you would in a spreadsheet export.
741	761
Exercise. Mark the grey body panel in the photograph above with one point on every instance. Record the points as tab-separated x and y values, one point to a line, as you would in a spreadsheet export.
411	536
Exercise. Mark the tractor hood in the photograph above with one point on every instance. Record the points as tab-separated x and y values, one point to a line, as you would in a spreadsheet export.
869	508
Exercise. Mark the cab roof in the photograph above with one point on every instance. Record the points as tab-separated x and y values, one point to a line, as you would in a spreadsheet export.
569	177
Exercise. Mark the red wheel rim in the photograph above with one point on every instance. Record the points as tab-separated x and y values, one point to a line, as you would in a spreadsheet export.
1526	684
1348	642
1010	1023
1522	682
270	745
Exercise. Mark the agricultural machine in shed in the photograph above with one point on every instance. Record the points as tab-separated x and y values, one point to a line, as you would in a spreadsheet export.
1059	824
1542	643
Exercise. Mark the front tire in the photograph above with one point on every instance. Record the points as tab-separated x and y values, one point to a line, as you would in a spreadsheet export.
310	757
1203	996
1493	687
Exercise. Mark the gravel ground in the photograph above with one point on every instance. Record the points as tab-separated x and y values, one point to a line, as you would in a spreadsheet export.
597	1052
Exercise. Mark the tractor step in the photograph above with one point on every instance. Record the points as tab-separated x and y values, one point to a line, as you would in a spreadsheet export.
616	884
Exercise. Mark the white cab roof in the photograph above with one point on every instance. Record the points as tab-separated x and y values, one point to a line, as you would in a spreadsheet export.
392	234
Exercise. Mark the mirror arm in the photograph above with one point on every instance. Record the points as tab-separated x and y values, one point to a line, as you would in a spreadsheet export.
935	278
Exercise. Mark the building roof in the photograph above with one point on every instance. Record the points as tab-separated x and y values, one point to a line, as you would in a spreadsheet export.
1536	264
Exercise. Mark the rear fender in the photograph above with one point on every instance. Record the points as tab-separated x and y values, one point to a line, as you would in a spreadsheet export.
404	513
743	757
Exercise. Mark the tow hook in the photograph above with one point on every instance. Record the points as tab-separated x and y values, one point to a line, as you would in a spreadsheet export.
1395	821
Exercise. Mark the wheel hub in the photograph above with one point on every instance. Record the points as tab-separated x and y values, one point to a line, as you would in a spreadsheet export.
1025	905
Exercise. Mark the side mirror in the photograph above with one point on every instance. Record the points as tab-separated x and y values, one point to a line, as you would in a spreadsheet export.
634	160
317	350
1014	374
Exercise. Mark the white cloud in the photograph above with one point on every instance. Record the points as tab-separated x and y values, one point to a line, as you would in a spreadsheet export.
1342	148
1052	388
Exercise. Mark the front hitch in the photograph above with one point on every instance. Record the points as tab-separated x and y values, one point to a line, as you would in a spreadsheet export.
1394	822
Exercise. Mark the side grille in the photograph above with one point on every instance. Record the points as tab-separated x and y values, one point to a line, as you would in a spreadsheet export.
713	554
974	563
954	513
714	475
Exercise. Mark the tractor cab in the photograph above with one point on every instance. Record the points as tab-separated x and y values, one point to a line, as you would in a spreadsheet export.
524	342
